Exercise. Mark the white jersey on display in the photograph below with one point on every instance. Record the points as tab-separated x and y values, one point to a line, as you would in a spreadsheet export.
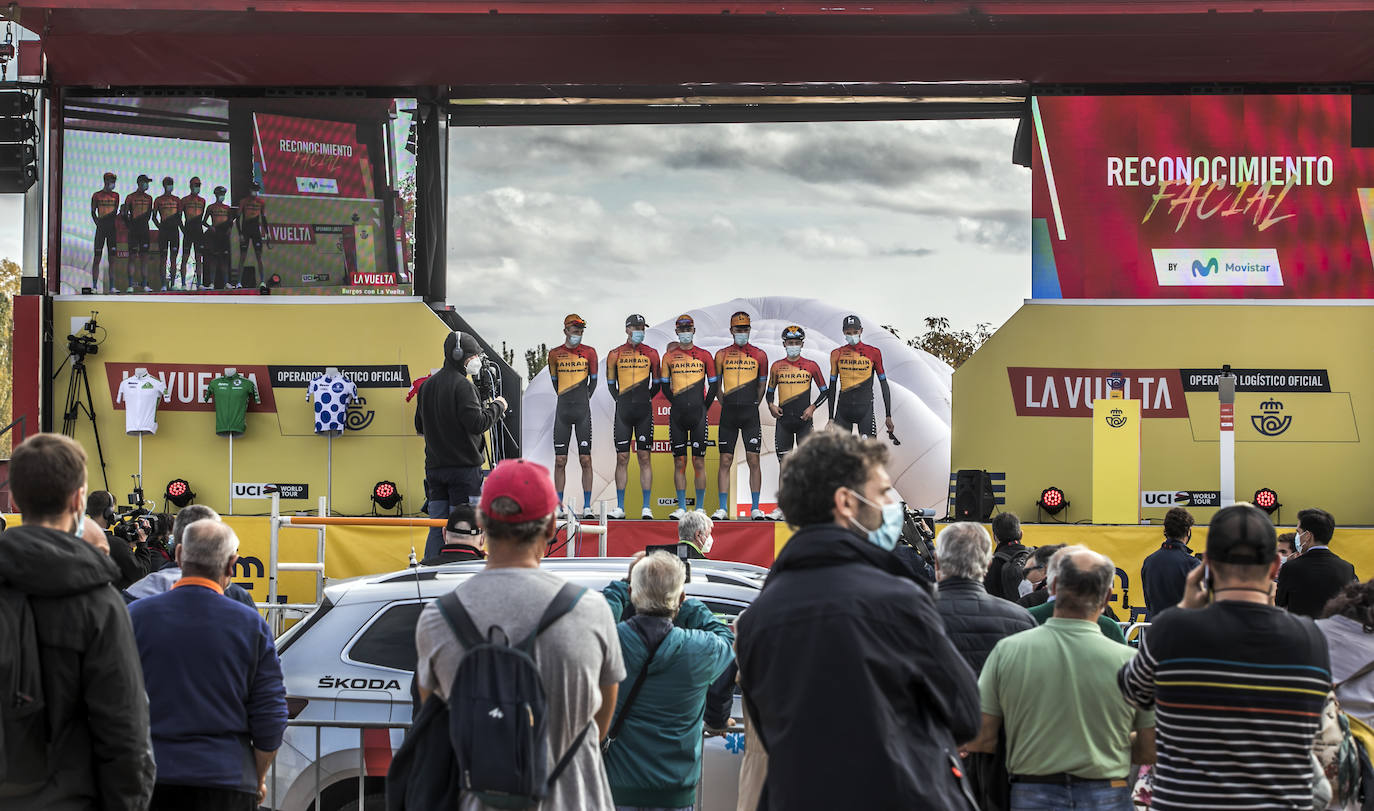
140	396
332	394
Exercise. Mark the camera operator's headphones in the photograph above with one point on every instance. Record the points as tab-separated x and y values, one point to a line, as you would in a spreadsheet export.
457	346
108	511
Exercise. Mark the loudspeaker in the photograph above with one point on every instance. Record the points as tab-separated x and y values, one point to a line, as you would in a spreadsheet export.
973	498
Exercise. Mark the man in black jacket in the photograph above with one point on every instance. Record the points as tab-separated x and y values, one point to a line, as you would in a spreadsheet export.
976	621
454	420
134	560
1008	559
843	652
96	707
1166	569
1317	574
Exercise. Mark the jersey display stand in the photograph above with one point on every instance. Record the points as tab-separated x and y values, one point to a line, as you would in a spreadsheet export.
230	394
140	394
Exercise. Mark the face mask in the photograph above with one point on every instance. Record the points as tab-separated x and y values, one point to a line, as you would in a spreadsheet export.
889	531
851	339
685	337
706	544
793	352
636	336
741	338
574	340
474	366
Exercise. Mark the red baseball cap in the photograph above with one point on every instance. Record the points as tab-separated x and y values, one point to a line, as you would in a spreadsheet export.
530	484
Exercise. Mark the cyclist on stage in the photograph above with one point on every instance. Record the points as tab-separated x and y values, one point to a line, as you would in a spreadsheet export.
104	206
743	371
573	371
193	232
632	377
252	221
137	211
167	219
852	369
790	381
689	375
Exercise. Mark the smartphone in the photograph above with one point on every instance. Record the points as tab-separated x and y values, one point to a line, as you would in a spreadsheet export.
1207	578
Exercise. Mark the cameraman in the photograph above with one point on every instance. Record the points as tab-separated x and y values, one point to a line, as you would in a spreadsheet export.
128	547
454	421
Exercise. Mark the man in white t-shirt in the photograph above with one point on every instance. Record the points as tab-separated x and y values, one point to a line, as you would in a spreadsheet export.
140	394
579	656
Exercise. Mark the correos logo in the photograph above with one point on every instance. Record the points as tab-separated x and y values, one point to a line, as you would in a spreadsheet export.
1221	267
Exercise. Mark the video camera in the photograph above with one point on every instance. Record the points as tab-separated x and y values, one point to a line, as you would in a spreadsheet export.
489	380
126	524
83	343
681	550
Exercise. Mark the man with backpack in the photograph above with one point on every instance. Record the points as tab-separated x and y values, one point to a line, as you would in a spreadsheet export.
1006	571
562	688
74	717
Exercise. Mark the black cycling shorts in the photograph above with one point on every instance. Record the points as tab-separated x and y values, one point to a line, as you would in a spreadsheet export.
861	415
105	235
217	242
168	236
139	238
789	432
568	418
195	237
736	420
250	231
687	430
634	422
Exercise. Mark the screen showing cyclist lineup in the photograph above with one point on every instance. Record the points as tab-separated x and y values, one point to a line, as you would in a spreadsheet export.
195	194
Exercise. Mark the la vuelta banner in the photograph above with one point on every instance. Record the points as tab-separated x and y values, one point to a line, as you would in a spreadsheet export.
1200	197
310	157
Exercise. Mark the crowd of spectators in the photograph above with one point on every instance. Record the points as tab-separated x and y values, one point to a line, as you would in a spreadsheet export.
143	680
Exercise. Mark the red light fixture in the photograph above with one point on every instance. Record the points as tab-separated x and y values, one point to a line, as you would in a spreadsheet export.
1052	500
1266	500
179	492
385	495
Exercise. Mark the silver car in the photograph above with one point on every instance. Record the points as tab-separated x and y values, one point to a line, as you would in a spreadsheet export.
349	665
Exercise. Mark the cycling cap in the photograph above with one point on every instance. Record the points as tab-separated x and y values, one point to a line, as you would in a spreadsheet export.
852	322
685	321
739	319
794	333
574	320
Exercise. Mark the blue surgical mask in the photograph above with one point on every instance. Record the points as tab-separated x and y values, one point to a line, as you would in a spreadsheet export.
685	337
574	340
851	339
793	352
890	530
636	336
741	338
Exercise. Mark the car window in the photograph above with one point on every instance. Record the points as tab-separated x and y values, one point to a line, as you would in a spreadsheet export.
390	640
725	610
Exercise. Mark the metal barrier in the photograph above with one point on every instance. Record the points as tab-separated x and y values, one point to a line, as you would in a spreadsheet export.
362	754
576	529
1137	628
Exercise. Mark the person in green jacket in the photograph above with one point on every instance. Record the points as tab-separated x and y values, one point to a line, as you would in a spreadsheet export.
1044	611
678	648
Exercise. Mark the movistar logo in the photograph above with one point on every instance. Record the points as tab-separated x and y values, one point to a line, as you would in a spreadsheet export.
1204	271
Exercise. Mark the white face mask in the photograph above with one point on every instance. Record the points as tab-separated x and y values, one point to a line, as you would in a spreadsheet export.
793	352
706	544
851	339
685	337
637	336
474	366
574	340
741	338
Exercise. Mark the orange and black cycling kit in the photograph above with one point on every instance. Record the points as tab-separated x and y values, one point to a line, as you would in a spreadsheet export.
573	371
104	205
138	209
790	381
741	368
632	376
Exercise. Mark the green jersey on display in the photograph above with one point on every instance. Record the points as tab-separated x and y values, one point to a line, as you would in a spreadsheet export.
230	394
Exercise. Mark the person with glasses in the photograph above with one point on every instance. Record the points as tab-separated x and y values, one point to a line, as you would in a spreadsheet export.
1034	590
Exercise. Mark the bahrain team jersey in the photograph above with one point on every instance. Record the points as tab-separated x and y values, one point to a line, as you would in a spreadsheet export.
193	208
230	395
854	368
632	369
686	372
140	396
167	206
139	205
571	370
332	395
740	369
252	207
792	380
105	203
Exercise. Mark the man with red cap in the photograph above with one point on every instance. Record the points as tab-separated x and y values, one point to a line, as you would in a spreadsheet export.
573	372
578	655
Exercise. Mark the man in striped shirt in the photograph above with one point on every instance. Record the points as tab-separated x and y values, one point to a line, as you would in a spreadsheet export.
1237	685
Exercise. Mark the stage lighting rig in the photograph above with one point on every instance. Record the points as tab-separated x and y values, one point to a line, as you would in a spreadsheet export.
179	492
385	495
1266	500
1052	500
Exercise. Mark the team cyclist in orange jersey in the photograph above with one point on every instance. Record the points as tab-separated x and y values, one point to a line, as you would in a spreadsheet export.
689	375
790	381
219	215
167	218
632	377
252	228
852	369
743	371
137	211
193	231
573	371
104	207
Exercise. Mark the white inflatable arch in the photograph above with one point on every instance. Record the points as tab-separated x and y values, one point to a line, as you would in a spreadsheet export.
919	381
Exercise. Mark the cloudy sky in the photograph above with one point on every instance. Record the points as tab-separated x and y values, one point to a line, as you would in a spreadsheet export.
896	219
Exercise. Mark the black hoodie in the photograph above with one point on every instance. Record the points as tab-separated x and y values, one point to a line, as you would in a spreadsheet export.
451	417
858	695
92	680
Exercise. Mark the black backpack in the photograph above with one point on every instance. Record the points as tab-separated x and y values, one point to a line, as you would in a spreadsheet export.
1011	573
497	713
25	743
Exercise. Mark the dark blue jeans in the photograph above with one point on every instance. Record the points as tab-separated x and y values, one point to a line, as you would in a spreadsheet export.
1095	796
447	487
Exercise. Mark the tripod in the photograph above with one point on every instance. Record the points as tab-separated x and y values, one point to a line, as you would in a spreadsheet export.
77	384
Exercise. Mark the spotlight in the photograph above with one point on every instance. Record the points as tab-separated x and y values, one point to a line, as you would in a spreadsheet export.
1052	500
179	492
1266	500
385	495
